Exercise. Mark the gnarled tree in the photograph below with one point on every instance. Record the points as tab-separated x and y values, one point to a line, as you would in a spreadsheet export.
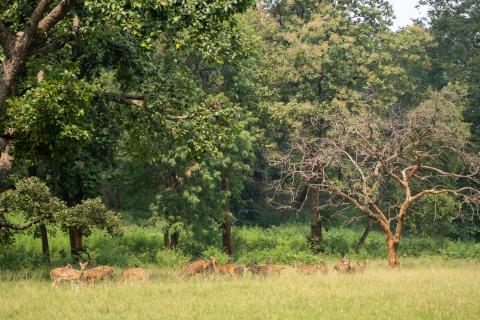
419	153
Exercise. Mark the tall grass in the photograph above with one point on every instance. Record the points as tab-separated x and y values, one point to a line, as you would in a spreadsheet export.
426	291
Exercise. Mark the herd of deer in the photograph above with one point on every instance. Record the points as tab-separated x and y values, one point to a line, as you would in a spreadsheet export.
205	266
68	273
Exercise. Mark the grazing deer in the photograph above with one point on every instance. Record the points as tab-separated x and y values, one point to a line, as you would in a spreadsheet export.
270	268
67	273
360	267
344	266
311	268
239	271
97	273
198	266
222	268
134	273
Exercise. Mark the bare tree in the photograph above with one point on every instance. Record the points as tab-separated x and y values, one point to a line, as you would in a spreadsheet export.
363	158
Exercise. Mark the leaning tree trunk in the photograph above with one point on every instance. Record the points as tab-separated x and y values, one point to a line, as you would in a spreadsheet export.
316	235
45	246
365	234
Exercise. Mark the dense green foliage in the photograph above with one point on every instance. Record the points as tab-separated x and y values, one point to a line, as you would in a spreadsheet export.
143	246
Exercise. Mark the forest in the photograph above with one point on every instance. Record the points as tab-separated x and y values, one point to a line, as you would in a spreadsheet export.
157	132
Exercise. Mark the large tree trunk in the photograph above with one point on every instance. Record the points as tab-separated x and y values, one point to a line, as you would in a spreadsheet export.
227	237
365	234
393	260
316	235
45	246
76	242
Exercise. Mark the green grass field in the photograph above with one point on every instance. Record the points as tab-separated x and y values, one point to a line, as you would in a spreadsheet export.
421	289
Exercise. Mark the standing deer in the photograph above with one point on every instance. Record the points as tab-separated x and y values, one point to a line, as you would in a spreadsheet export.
360	267
198	266
228	267
67	273
270	268
344	266
239	271
97	273
134	273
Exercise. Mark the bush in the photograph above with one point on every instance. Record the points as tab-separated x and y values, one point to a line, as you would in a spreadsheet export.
171	258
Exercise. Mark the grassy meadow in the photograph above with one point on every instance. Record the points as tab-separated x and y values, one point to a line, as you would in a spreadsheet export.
438	279
421	289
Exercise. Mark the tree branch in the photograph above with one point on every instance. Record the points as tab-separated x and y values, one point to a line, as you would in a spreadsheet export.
56	15
138	101
449	174
36	17
50	47
20	227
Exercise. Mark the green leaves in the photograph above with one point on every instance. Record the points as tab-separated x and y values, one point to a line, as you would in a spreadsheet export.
49	119
90	214
26	206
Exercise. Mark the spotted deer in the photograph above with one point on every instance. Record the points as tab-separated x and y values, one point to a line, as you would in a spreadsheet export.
344	266
198	266
360	267
134	273
265	270
97	273
228	268
311	268
239	271
67	273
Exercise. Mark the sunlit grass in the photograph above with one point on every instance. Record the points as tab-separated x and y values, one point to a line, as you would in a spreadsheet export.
422	289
